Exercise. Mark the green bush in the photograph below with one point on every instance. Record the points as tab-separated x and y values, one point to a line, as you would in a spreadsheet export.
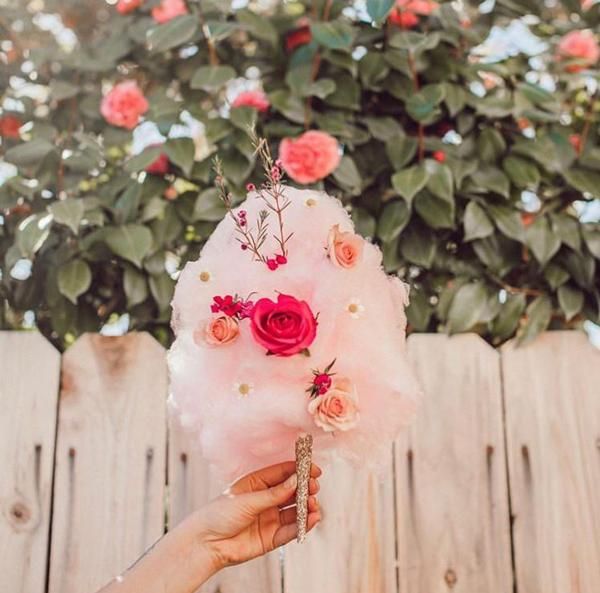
474	171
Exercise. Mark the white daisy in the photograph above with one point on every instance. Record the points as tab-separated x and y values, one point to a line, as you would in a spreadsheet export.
311	202
355	308
243	389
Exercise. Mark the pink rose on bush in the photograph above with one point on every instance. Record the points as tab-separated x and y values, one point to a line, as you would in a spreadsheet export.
218	332
256	99
285	327
310	157
168	9
124	105
344	249
337	408
579	45
127	6
406	12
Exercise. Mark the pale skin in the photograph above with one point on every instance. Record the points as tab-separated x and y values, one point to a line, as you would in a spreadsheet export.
254	516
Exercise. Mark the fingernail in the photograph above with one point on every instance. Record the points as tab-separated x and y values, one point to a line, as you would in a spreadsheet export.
291	482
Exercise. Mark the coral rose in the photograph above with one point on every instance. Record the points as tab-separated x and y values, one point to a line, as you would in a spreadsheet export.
406	13
168	9
127	6
310	157
344	249
579	45
256	99
284	328
124	105
337	408
218	332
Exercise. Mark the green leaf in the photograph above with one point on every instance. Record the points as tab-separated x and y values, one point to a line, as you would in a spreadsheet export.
74	278
126	207
209	206
260	27
364	223
28	153
334	35
567	230
467	308
162	287
142	160
181	152
455	98
440	182
477	223
175	32
61	89
419	311
507	320
422	105
379	9
555	275
570	300
537	318
584	180
508	221
401	150
418	246
522	172
393	220
490	145
211	78
491	178
131	242
410	181
347	175
437	213
32	233
592	240
68	212
542	240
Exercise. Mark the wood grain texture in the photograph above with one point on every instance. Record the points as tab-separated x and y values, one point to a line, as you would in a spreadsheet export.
552	399
191	485
452	498
353	549
110	459
29	379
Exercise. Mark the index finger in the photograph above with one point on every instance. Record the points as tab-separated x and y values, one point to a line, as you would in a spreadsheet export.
269	476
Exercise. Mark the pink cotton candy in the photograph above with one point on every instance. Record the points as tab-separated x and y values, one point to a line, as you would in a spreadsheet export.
247	407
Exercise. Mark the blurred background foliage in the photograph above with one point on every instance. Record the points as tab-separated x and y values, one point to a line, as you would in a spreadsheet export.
470	142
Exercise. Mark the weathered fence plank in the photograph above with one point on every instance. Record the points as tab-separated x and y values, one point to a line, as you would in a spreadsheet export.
552	397
191	485
452	498
110	459
353	549
29	378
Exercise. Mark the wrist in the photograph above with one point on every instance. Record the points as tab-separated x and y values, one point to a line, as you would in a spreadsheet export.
205	552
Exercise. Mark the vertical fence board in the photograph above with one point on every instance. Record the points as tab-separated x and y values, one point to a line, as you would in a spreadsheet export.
353	549
552	396
110	459
191	485
453	518
29	378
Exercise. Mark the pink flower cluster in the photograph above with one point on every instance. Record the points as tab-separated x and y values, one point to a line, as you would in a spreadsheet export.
255	99
580	46
124	104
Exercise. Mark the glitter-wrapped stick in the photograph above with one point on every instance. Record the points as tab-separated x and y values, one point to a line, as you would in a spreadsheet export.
303	463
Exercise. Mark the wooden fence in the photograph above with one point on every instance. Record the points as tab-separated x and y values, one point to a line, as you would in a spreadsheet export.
495	488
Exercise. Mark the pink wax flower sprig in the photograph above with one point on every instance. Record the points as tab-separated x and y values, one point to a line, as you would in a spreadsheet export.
322	380
252	237
232	306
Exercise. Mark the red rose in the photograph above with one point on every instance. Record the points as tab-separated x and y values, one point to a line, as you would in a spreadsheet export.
299	36
9	126
284	328
159	166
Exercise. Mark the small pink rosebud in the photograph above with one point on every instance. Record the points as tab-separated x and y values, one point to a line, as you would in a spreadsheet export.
242	214
275	173
281	259
279	163
272	264
242	222
244	246
250	187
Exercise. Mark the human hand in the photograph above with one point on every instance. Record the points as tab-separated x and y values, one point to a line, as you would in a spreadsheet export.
255	515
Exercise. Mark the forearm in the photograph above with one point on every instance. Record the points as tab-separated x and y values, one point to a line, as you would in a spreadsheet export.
177	563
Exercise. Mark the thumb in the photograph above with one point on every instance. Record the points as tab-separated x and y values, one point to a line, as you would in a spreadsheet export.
261	500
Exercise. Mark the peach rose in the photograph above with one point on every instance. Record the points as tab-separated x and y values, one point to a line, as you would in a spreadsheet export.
406	12
168	9
218	332
127	6
344	249
256	99
124	105
310	157
337	408
580	45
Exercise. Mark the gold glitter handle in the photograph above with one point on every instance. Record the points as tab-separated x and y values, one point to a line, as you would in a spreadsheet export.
303	463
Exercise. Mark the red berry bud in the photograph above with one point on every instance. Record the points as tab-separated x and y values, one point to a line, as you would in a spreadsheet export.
281	259
272	264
